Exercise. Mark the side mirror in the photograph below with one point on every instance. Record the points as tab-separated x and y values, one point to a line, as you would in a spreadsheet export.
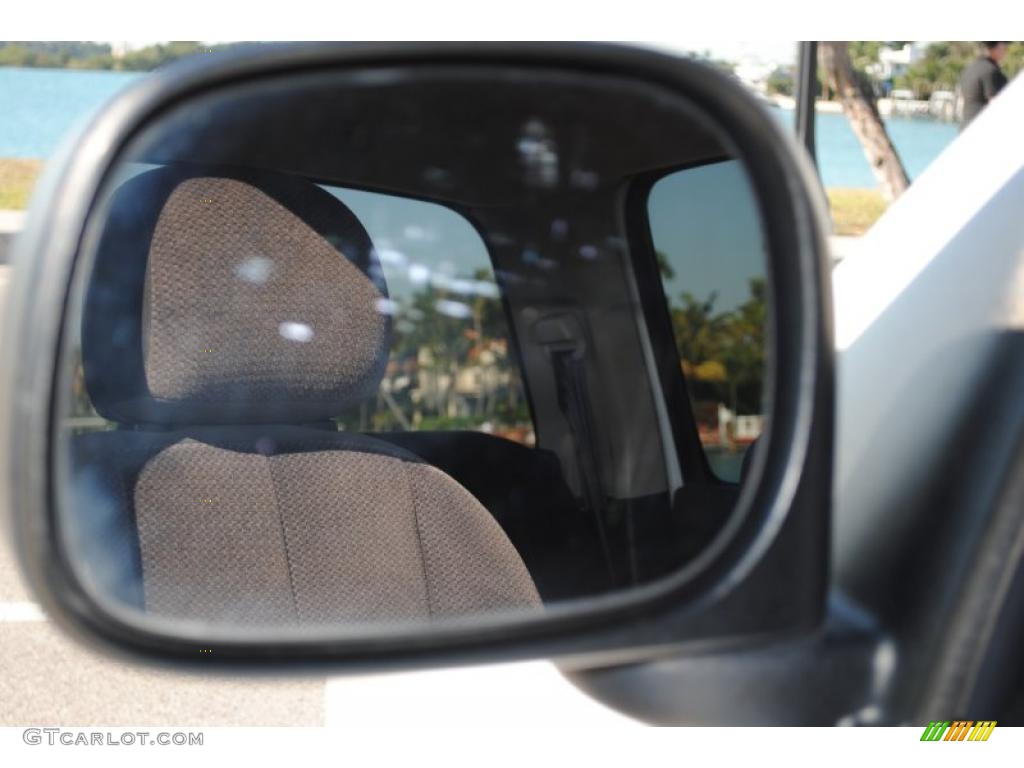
411	354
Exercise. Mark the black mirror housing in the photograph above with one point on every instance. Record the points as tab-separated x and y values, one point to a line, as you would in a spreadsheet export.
763	576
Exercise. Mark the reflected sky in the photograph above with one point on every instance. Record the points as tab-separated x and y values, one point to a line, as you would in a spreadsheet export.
420	243
706	221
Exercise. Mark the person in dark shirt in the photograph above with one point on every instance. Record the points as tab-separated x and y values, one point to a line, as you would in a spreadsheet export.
981	80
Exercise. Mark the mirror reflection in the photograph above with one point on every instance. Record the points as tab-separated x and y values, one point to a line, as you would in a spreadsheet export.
371	347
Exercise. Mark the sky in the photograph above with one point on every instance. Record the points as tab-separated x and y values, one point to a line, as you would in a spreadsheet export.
706	222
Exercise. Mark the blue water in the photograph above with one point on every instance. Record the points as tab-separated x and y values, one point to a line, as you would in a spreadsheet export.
39	106
842	162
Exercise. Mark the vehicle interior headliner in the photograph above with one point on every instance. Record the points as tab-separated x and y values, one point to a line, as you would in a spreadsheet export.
481	137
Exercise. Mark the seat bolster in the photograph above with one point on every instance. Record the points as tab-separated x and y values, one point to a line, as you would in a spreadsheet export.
471	566
270	525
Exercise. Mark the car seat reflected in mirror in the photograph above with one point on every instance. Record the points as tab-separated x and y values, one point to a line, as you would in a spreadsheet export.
371	348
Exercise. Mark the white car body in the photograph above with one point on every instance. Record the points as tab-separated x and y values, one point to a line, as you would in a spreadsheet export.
941	270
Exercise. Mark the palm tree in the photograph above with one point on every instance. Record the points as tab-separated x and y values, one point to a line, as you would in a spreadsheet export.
860	109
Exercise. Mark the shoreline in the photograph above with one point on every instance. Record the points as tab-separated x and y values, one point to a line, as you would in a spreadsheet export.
789	103
887	108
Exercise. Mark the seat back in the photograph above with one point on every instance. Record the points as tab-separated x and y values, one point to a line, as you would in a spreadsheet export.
229	316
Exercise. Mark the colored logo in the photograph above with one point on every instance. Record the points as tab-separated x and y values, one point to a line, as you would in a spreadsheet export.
958	730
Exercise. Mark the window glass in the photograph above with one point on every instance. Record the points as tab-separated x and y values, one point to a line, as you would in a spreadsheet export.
451	364
705	228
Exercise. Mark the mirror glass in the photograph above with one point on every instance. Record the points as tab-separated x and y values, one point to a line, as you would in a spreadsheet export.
353	349
707	239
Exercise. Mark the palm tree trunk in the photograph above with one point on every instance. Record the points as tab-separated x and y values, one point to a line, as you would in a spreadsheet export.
862	112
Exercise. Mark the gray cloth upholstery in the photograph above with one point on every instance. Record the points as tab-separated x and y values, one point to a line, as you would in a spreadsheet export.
247	303
222	296
317	537
232	520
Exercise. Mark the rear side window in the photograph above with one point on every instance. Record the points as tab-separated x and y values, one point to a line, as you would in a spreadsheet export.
705	229
451	365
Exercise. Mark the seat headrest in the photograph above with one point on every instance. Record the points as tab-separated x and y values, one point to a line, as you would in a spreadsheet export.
226	296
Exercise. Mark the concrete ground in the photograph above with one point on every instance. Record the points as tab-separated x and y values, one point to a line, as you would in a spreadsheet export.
11	223
48	679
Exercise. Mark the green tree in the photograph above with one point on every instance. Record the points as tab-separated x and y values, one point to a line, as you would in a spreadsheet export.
944	61
781	81
50	54
723	353
1013	64
742	349
697	330
85	55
